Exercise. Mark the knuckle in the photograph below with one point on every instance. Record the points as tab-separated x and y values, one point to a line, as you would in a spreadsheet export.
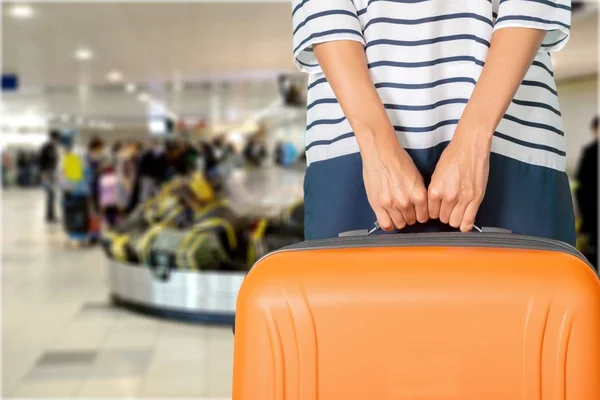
386	202
450	197
435	192
401	202
468	194
420	197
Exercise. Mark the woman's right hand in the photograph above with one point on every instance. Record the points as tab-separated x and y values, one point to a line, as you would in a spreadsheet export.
394	187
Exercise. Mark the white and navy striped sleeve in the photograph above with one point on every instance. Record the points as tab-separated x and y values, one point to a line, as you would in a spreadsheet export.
318	21
552	16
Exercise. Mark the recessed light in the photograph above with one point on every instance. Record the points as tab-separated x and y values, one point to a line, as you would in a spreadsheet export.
143	97
83	54
21	11
114	76
130	88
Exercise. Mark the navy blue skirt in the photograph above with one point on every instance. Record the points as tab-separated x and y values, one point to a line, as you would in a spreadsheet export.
525	198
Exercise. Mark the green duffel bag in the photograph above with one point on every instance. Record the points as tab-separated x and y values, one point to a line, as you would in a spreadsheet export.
142	244
202	250
210	244
162	253
205	246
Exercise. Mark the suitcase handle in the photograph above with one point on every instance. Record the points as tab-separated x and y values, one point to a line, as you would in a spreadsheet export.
366	232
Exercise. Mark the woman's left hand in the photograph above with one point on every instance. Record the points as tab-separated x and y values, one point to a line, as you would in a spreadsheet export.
460	178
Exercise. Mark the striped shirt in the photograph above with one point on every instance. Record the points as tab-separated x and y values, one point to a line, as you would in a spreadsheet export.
425	57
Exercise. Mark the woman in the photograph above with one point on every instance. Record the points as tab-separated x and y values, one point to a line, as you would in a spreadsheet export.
430	103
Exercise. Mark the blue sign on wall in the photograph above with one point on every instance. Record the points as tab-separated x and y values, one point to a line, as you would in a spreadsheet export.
10	82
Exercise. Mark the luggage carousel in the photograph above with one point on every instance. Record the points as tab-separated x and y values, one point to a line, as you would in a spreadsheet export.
201	297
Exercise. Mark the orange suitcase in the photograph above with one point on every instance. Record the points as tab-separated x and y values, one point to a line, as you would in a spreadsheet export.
476	316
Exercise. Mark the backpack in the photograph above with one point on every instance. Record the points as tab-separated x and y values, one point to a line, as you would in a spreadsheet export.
73	168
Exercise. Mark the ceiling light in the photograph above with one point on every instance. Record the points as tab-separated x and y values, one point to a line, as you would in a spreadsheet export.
130	88
143	97
83	54
21	11
115	76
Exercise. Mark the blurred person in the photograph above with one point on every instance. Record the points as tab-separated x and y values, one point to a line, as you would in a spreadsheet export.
255	151
189	155
6	167
209	159
151	170
125	171
115	149
96	160
175	163
136	155
414	133
49	159
75	180
108	197
587	194
218	146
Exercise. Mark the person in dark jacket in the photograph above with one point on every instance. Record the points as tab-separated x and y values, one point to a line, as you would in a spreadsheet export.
153	165
95	159
48	160
587	194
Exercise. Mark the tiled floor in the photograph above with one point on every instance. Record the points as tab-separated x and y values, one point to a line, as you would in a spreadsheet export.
60	337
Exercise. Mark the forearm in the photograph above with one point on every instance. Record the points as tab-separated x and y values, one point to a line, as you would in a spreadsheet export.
345	66
510	56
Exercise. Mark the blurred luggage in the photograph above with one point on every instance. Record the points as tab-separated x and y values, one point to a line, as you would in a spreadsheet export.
95	227
76	215
456	316
208	245
286	154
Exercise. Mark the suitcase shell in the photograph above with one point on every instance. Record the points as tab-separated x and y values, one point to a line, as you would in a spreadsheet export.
76	215
425	316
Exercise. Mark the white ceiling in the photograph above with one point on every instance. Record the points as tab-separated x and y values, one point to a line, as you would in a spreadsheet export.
157	45
580	56
148	42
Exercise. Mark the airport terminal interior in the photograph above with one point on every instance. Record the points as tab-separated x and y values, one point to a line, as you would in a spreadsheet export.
168	138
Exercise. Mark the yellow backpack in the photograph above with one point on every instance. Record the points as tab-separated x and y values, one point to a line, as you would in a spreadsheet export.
72	167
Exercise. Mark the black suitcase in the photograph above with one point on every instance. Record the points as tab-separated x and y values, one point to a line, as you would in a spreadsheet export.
76	215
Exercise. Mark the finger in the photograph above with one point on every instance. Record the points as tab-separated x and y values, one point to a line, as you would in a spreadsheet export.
434	202
397	218
384	220
469	217
448	204
421	209
409	214
456	217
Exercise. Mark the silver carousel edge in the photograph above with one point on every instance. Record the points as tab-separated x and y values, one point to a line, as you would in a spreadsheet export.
185	291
